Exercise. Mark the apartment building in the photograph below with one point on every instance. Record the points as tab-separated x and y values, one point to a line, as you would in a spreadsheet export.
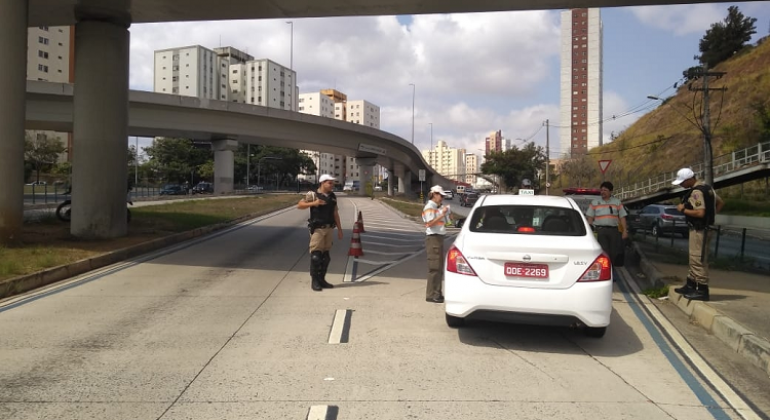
317	103
264	82
494	142
581	80
472	166
50	58
447	161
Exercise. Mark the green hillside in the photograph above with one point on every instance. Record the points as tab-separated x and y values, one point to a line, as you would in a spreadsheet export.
663	140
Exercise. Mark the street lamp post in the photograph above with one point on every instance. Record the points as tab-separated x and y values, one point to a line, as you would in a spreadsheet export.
248	167
431	136
291	50
414	89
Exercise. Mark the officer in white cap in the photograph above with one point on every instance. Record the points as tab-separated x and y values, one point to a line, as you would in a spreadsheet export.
699	205
435	216
324	217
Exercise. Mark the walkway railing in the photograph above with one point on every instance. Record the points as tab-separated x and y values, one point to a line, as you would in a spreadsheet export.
723	165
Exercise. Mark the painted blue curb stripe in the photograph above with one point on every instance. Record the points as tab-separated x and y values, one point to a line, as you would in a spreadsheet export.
140	260
700	392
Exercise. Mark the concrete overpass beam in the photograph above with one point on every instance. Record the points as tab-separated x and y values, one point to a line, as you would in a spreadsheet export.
224	165
100	125
13	75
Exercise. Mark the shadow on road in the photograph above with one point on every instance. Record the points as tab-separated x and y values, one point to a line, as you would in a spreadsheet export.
619	341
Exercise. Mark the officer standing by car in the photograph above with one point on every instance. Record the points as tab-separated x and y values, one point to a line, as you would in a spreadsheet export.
435	217
606	214
699	205
324	217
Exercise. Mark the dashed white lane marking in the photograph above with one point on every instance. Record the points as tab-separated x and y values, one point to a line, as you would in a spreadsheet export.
323	412
732	398
340	331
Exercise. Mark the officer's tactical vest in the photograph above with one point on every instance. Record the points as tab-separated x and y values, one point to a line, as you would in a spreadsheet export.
708	196
323	215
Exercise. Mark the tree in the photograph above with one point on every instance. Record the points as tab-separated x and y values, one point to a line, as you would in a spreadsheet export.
515	164
291	163
580	170
41	152
726	38
176	159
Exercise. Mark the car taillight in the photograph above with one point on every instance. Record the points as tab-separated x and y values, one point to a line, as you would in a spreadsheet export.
666	217
600	270
456	263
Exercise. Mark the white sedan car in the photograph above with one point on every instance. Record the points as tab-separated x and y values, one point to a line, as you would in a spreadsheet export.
528	259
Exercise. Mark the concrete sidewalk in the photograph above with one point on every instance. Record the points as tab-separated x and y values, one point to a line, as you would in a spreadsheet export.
737	313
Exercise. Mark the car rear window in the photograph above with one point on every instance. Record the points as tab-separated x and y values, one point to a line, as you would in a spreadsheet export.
527	220
672	211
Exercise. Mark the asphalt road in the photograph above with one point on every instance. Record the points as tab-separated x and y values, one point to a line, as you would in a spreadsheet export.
227	327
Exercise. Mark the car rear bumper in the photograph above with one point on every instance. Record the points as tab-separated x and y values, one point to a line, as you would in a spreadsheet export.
589	303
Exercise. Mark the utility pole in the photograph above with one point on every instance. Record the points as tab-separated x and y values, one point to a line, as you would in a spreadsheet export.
547	155
706	120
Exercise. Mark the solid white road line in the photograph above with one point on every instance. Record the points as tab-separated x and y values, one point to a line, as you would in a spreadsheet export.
340	326
716	381
413	239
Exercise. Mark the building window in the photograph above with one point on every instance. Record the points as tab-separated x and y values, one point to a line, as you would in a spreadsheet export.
42	54
42	40
42	68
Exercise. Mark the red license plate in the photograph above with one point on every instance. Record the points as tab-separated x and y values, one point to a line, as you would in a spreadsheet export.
538	271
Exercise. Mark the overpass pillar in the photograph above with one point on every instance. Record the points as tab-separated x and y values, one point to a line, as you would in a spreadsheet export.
100	104
408	191
391	179
401	183
224	165
366	176
13	76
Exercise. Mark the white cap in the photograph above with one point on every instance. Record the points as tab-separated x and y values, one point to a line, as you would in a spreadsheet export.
437	189
326	177
683	175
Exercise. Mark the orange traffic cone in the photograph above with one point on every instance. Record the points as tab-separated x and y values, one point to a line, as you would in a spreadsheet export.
361	221
355	242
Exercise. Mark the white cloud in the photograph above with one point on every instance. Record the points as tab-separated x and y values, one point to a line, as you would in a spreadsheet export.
459	64
681	19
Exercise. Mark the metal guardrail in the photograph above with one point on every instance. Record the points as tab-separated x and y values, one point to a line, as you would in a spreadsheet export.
722	165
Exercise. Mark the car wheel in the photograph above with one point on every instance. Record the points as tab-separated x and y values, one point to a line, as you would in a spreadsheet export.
655	230
454	322
595	332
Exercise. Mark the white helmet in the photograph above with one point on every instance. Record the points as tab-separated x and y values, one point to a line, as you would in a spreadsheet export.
526	183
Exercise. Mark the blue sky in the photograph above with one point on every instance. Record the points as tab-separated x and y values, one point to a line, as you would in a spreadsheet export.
474	73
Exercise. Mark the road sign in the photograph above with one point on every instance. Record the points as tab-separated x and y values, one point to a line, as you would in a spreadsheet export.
422	175
604	164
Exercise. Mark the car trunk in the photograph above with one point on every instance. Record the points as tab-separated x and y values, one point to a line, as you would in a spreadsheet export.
536	261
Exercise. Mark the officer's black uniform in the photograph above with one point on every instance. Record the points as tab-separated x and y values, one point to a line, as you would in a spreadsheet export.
321	225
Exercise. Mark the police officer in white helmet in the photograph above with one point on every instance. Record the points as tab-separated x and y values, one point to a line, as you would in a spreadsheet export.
324	217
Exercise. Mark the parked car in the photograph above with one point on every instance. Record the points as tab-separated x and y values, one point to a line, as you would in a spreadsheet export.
468	199
658	219
449	194
173	189
203	188
378	187
528	259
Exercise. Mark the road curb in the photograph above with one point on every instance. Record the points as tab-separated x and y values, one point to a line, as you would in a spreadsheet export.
742	340
27	282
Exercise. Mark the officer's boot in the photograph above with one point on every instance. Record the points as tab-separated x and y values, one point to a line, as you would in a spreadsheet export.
688	287
701	292
316	270
325	266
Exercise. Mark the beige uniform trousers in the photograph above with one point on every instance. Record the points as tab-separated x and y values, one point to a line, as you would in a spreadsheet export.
699	269
434	246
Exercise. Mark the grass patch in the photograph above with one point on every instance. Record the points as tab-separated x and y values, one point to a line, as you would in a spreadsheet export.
741	207
48	243
654	293
410	208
